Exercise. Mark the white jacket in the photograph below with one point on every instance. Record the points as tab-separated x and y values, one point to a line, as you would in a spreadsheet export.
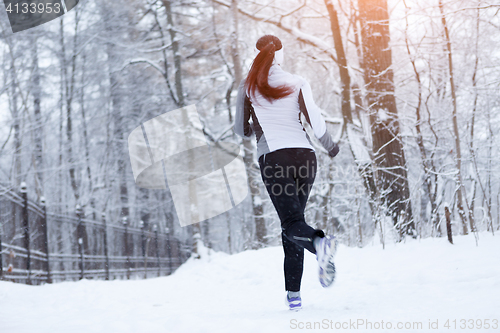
277	124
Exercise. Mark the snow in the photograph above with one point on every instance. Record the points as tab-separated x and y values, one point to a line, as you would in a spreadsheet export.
357	146
417	281
383	115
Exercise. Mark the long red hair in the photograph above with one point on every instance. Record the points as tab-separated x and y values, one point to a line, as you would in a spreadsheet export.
259	72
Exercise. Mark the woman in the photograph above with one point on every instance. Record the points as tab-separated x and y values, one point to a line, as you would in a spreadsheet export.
274	99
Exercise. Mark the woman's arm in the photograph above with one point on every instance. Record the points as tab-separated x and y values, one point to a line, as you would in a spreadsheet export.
243	108
313	116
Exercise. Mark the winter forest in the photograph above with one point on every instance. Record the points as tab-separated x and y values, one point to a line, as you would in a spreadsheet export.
409	88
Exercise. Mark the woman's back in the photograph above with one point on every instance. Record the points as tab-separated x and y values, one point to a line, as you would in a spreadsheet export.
279	120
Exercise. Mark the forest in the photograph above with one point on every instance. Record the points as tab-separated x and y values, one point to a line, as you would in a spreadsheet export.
409	88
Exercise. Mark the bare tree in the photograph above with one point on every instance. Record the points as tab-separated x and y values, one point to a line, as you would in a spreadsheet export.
118	103
248	157
388	152
461	195
38	124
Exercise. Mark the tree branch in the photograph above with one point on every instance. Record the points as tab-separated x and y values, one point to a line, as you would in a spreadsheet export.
299	35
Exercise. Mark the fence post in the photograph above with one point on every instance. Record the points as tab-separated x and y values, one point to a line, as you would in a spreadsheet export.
106	264
169	253
26	229
46	237
127	262
79	235
143	246
155	228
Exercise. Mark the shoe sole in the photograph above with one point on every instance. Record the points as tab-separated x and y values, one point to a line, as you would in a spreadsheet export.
328	272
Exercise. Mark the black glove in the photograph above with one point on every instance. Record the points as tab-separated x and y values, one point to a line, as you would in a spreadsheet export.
334	151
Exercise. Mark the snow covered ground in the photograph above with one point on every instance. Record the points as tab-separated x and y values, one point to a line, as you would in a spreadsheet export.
405	287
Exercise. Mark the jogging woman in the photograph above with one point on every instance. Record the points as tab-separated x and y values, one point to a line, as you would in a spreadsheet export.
274	99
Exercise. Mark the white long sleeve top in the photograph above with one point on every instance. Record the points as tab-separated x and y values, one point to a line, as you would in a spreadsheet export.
277	124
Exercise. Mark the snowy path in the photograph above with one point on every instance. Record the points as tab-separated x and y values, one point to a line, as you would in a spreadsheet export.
405	283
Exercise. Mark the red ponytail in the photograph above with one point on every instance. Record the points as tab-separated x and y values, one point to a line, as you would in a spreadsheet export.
259	72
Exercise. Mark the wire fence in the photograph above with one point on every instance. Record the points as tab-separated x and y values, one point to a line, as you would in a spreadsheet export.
38	247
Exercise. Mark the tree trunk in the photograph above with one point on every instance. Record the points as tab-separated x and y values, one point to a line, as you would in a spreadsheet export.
427	166
117	102
197	232
248	157
472	149
69	83
388	150
14	92
16	170
460	193
85	136
176	53
165	59
60	174
345	79
38	126
448	224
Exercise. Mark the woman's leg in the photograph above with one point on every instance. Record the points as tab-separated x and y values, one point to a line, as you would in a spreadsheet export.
293	264
288	175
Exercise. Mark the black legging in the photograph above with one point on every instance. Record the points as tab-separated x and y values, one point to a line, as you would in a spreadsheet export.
289	175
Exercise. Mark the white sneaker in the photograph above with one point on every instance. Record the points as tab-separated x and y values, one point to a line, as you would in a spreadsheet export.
324	254
294	303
